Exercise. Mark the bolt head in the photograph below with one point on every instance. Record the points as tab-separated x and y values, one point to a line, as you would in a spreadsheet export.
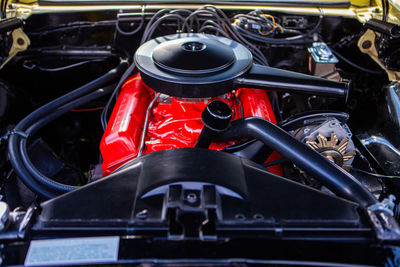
366	44
20	41
142	214
191	198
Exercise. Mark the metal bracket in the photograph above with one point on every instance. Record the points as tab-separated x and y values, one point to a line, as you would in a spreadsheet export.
26	221
20	43
366	44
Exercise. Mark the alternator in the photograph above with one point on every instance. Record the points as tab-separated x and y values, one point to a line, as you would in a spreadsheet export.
332	139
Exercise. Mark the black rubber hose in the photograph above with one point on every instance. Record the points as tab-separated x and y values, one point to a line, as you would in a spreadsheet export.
47	182
40	186
334	178
13	144
83	90
33	129
45	187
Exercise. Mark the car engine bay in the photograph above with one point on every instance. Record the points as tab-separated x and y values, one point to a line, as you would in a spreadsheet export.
221	132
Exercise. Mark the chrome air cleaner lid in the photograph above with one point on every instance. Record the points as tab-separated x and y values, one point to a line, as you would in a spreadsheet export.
192	65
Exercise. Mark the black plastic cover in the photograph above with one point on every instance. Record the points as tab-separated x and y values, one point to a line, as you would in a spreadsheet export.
192	192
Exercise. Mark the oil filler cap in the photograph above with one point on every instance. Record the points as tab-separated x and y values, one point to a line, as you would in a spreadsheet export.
217	115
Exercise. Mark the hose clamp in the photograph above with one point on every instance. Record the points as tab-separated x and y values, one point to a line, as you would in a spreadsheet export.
387	205
7	135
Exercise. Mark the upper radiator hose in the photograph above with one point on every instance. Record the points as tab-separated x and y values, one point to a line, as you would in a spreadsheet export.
337	180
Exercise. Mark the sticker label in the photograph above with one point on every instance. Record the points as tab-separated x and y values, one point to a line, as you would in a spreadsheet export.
70	251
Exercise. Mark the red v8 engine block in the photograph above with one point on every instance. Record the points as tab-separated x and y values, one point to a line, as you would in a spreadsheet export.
172	122
188	70
161	107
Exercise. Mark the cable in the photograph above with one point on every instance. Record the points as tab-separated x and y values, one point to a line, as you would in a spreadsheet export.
225	25
104	114
187	11
240	105
87	109
267	40
158	22
186	18
248	16
286	40
211	28
212	23
158	13
354	65
275	105
61	68
376	175
72	26
232	30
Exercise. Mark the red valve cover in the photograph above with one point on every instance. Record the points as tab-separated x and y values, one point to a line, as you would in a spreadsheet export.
173	122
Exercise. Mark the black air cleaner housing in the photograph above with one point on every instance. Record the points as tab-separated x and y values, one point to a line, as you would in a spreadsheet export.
192	65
